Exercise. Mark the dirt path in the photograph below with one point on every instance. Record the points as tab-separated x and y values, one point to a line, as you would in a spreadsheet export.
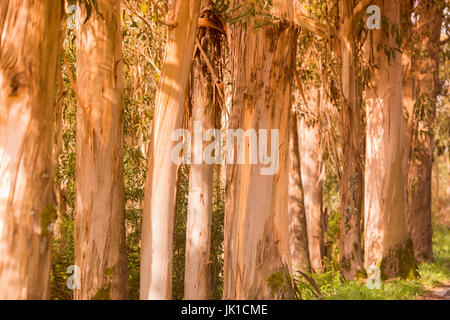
441	292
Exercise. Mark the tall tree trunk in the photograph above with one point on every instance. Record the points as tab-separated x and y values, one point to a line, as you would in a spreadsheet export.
387	243
29	48
159	199
424	113
311	167
204	116
100	247
257	253
409	93
296	207
351	184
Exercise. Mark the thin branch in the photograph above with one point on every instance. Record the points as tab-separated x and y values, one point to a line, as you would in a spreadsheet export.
358	11
311	25
210	67
300	87
207	23
72	81
443	42
161	9
132	11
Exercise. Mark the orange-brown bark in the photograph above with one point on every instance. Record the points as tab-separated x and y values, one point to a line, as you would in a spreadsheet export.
100	247
29	46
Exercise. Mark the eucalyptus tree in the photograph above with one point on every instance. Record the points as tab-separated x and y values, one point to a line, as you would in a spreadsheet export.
344	22
100	247
351	183
262	52
205	93
421	101
387	242
30	34
311	166
298	231
160	189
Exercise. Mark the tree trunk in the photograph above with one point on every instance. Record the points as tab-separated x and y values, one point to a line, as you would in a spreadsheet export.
297	215
351	184
160	188
29	48
387	243
424	113
311	167
257	253
100	245
204	116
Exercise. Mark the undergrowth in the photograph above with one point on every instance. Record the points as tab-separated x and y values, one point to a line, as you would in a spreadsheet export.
333	287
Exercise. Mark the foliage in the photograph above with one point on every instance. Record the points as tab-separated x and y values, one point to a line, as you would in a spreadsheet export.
143	34
179	248
217	237
63	244
331	214
62	257
333	287
438	272
257	11
179	235
144	38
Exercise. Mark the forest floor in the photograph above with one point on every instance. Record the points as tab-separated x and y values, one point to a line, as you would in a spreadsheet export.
433	282
441	292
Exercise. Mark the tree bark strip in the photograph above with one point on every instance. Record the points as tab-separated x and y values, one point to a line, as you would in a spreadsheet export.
100	245
29	48
204	115
351	184
257	252
160	187
387	243
427	84
311	167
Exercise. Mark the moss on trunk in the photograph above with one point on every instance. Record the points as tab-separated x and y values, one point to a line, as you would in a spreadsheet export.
400	261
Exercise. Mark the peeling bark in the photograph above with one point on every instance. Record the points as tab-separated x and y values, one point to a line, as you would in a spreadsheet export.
257	253
311	167
29	48
351	184
198	230
426	90
100	245
160	187
386	237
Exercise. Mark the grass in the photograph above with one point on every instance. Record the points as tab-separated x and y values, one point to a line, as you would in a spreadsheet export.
438	272
431	274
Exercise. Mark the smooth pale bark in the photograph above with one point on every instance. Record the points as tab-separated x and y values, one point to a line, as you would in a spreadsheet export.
387	243
160	187
351	183
409	93
100	247
257	252
311	168
29	48
427	89
296	206
198	229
